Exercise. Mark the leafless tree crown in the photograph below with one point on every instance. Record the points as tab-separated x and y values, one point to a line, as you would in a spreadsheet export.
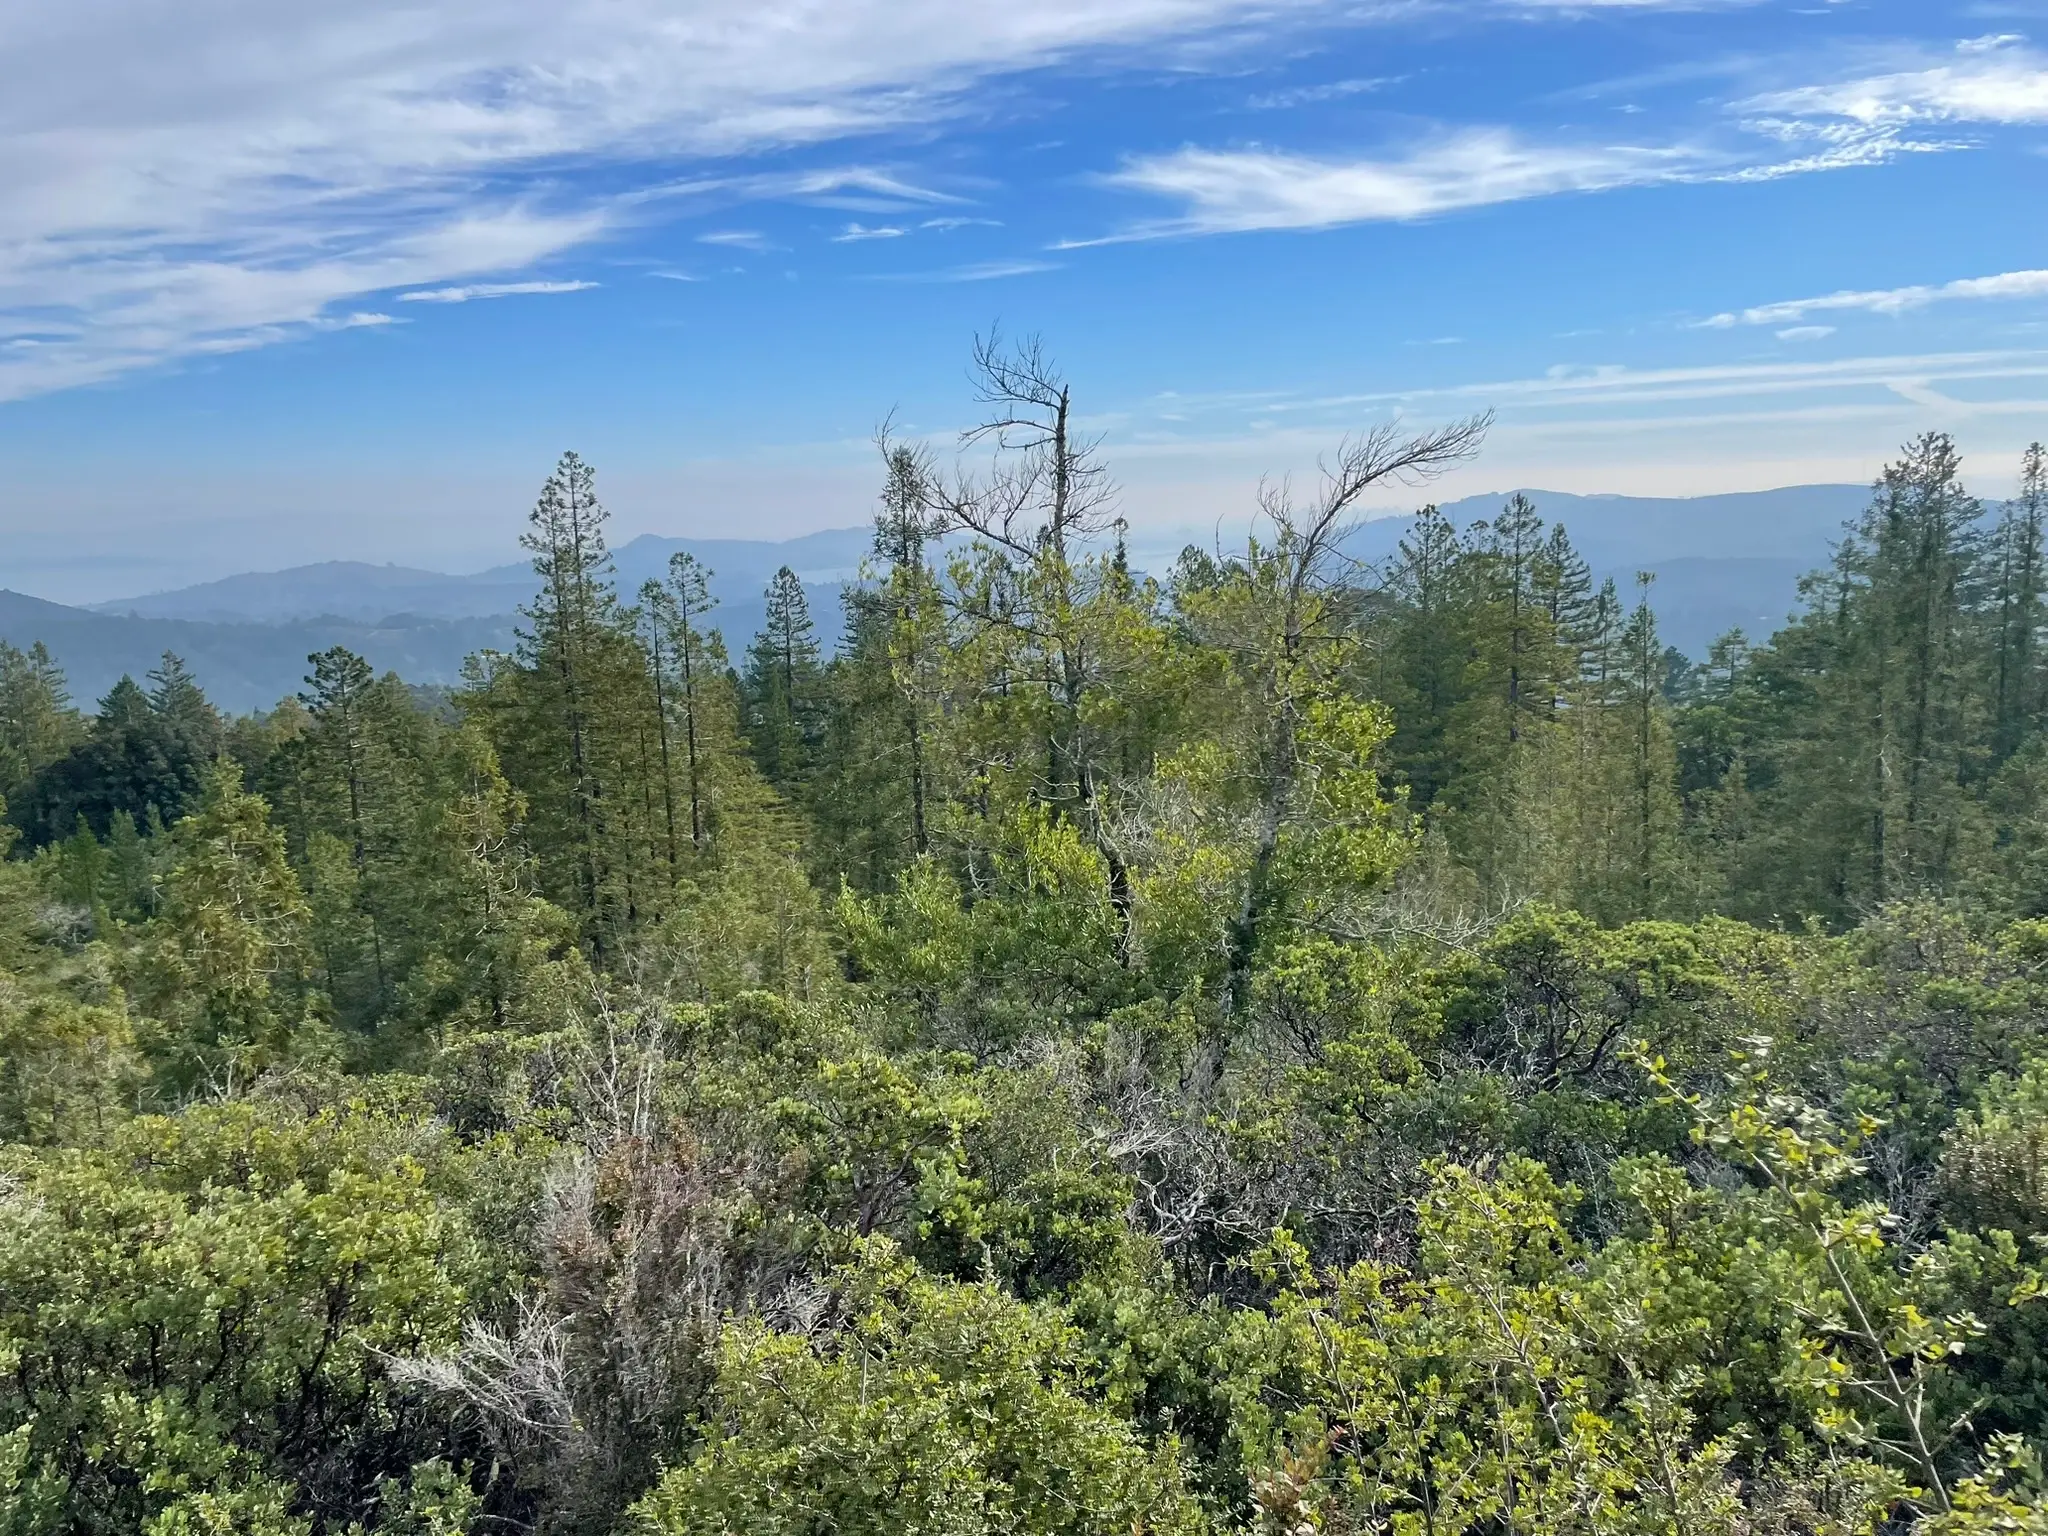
1045	484
1314	535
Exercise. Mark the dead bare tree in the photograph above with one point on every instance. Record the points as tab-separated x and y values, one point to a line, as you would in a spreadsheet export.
1046	487
1306	562
1043	496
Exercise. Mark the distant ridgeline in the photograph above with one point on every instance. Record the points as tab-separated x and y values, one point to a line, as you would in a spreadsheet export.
1722	562
246	638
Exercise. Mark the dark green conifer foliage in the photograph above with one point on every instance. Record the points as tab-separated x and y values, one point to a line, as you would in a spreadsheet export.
134	758
872	794
2017	694
682	670
781	687
37	723
80	872
1650	774
1898	727
1564	588
569	617
1516	643
356	788
132	868
1426	655
575	723
176	697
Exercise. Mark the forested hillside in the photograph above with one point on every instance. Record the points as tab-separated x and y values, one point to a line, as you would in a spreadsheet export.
245	638
1290	1045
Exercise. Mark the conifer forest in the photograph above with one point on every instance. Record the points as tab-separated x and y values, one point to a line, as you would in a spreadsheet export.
1279	1044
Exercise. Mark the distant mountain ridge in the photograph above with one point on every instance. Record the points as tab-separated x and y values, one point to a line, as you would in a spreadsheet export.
1721	561
1796	522
242	666
344	589
741	570
246	637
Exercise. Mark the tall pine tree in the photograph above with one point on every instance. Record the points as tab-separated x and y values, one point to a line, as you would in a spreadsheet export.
781	687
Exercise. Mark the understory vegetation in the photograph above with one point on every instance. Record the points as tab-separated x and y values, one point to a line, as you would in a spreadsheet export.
1272	1046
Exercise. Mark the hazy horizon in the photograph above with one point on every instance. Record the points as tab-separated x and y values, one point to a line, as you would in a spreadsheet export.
339	282
113	577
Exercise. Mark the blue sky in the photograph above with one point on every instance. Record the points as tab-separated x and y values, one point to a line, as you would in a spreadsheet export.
339	279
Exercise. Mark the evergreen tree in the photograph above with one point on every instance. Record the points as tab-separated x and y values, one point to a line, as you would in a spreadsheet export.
1571	609
576	726
1906	707
915	632
79	872
1426	655
1515	645
132	867
1653	765
683	672
575	606
1600	641
781	687
176	697
873	793
496	958
2017	695
358	788
1592	815
134	759
228	944
1516	667
1865	729
37	722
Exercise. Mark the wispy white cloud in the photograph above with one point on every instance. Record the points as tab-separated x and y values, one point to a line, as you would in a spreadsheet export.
1812	129
1568	384
1626	5
1229	191
97	318
1307	95
2031	284
738	239
1986	80
856	231
878	184
862	188
1806	333
1614	394
468	291
971	272
220	174
1235	190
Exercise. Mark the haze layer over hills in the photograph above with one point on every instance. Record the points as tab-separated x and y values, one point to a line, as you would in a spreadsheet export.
1721	562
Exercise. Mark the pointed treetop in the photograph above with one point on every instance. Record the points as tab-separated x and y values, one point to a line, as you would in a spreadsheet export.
175	693
339	678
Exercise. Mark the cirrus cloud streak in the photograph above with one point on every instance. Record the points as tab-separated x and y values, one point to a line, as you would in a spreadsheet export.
2031	284
1985	80
214	176
468	291
1234	191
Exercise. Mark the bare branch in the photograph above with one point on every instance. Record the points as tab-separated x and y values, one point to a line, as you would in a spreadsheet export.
1379	457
